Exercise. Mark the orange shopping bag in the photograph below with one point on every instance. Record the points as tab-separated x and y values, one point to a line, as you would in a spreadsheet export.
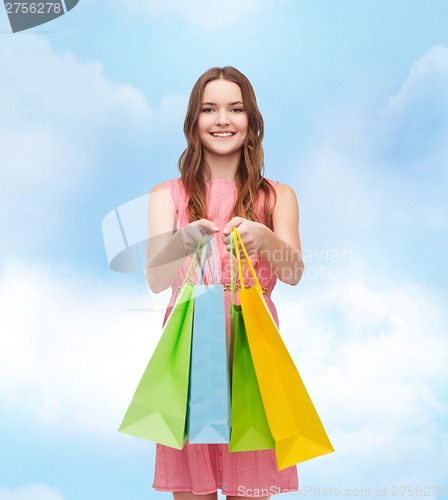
294	423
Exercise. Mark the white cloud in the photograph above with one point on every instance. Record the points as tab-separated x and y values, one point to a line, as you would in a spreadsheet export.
54	104
33	492
60	115
425	86
71	352
204	14
374	364
412	128
375	187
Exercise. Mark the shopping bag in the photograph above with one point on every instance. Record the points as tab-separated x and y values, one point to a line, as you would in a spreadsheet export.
159	406
250	429
208	415
295	425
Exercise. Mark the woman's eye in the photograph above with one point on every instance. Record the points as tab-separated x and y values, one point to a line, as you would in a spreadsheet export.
206	110
237	110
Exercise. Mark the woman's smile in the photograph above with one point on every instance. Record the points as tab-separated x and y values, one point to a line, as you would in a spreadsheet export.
222	134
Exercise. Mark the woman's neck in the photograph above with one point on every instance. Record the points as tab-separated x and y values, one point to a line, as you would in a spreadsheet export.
221	167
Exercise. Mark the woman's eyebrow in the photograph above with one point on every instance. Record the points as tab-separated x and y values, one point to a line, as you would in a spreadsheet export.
214	103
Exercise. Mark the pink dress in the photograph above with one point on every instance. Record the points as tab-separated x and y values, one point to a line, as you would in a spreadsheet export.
205	468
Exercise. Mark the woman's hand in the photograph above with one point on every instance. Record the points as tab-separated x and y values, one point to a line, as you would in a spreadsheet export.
251	232
193	232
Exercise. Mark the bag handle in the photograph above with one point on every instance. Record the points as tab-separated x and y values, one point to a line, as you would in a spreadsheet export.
239	241
232	274
194	260
203	259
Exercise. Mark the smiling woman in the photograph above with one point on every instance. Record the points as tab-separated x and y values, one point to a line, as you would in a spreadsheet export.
221	187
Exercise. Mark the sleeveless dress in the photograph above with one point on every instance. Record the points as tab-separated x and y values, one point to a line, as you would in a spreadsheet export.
205	468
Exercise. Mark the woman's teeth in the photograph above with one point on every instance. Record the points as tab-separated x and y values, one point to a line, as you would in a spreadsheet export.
222	135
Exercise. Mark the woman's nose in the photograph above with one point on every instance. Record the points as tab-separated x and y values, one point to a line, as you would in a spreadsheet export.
222	117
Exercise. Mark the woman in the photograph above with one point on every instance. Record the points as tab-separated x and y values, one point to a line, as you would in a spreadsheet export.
222	187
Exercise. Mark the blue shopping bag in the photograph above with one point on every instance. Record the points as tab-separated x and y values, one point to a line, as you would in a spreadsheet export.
209	412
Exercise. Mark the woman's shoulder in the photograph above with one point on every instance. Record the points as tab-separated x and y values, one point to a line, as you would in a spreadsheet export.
158	187
285	196
280	187
171	188
169	183
271	181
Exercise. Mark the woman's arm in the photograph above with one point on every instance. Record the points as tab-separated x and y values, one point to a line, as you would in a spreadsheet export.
167	249
281	247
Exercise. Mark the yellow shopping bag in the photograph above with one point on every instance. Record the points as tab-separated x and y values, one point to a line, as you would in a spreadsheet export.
294	423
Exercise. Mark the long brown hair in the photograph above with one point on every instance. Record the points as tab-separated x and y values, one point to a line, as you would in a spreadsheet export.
251	168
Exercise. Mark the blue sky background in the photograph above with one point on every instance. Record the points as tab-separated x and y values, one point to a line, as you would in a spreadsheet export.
355	105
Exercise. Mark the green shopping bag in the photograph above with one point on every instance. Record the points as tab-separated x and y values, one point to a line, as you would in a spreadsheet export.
250	428
158	409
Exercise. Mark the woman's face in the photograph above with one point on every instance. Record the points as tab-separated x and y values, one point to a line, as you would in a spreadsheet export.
222	122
